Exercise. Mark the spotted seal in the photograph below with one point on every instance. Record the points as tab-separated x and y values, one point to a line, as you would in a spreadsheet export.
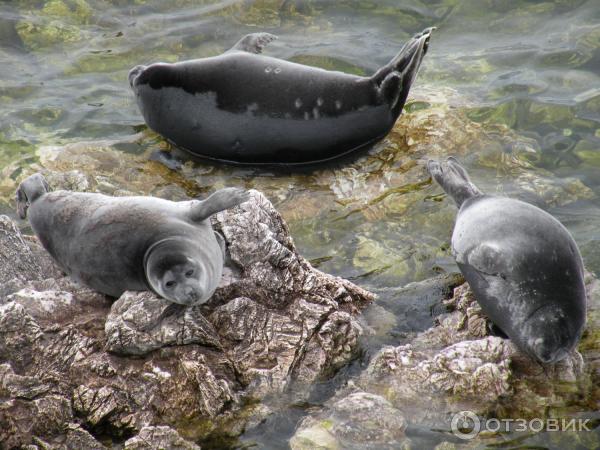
114	244
522	264
246	108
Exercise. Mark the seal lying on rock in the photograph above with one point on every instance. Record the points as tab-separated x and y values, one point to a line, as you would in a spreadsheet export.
522	264
115	244
246	108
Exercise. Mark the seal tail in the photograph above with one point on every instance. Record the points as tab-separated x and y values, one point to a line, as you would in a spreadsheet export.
396	77
28	191
453	179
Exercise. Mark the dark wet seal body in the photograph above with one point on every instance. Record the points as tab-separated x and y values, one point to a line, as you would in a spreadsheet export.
522	264
246	108
114	244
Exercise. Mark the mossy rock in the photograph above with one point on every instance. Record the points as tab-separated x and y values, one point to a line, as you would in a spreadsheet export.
58	21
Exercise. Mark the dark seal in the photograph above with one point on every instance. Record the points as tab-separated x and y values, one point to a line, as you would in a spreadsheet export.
245	108
521	263
115	244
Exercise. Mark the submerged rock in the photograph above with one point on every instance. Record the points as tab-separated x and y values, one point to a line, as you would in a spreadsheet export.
357	421
456	366
69	355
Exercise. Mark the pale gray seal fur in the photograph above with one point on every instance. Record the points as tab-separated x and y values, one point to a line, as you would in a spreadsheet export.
522	264
114	244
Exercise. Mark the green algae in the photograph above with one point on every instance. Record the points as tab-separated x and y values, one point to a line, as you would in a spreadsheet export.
57	21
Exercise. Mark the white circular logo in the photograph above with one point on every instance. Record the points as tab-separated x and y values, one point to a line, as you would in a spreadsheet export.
465	420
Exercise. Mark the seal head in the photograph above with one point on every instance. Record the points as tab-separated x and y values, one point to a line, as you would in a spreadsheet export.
180	271
30	190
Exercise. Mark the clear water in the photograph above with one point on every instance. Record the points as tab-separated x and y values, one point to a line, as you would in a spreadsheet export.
532	66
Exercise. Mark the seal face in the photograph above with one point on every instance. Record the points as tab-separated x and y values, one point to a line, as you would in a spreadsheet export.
522	264
246	108
114	244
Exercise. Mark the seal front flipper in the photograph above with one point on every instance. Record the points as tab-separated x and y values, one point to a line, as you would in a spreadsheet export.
485	258
453	179
390	89
253	43
28	191
219	201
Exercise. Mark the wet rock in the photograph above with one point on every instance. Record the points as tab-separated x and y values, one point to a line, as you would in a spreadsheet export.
150	438
458	365
72	357
57	21
357	421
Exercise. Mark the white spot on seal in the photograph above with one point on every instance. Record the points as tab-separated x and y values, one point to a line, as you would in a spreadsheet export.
298	103
277	70
268	69
316	112
320	101
338	104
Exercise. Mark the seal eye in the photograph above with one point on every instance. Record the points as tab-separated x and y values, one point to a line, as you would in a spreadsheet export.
170	284
189	273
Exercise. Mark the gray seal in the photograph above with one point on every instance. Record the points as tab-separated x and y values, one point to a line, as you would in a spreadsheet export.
522	264
114	244
246	108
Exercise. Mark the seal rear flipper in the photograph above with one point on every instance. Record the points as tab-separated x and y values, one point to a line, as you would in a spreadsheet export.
453	179
28	191
253	43
218	201
407	61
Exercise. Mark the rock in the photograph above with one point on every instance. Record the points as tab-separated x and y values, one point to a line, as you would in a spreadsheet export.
150	438
456	365
70	357
17	261
357	421
139	322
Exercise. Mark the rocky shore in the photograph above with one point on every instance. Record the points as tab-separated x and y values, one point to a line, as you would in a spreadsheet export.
79	370
457	365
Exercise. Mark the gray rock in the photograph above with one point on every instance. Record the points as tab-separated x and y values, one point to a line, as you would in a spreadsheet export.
453	366
150	438
139	323
18	263
358	421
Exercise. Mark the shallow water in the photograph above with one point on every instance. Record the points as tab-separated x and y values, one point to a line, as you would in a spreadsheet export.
532	66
